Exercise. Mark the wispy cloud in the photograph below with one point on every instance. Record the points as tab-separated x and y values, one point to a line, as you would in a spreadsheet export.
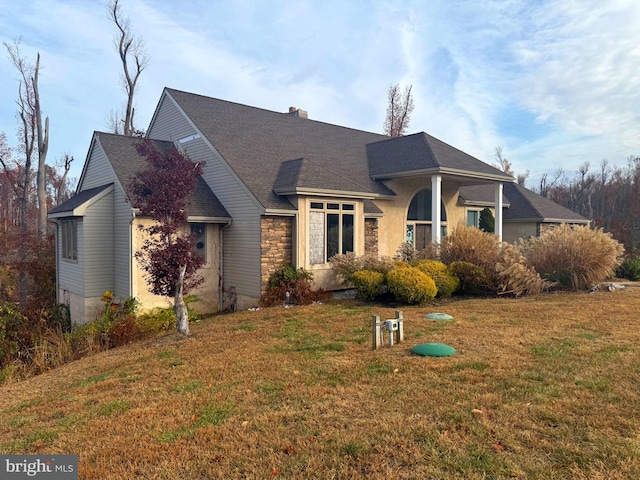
553	83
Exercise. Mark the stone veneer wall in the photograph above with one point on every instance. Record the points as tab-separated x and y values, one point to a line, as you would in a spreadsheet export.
371	236
276	245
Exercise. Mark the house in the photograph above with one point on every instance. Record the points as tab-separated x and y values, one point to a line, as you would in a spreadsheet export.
276	187
526	214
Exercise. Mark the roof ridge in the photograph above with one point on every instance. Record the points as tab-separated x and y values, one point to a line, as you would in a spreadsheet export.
275	112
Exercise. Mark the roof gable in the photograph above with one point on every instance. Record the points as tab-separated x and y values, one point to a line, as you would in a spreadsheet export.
123	156
422	153
77	205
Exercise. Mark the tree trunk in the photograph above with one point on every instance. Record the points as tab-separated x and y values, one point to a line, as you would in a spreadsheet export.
179	307
43	147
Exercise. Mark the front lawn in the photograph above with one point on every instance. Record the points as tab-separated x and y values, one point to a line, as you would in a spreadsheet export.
540	388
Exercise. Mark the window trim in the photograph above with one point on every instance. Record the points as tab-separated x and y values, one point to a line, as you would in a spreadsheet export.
69	240
332	208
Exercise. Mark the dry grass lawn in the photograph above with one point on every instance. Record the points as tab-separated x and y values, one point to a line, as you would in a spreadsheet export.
540	388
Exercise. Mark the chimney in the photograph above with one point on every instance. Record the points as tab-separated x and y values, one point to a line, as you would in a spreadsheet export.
298	112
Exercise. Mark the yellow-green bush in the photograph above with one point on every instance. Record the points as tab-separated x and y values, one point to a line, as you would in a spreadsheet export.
411	286
346	265
445	281
368	283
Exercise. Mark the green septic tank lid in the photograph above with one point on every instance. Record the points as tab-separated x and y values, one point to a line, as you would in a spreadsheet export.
433	350
438	316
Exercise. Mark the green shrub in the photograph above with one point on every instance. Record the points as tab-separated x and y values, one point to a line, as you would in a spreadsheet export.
411	286
12	322
487	222
368	283
629	269
577	257
473	278
445	281
297	283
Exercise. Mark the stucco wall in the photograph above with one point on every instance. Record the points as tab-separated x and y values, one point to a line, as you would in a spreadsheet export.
208	293
392	226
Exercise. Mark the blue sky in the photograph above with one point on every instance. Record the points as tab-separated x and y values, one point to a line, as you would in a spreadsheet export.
554	83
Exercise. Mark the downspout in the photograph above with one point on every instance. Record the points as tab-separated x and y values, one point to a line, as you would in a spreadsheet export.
131	254
221	266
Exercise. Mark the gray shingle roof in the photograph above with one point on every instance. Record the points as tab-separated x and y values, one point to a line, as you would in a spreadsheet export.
255	142
78	199
422	152
524	205
126	162
306	175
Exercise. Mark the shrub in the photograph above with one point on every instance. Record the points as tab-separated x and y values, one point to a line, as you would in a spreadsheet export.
411	286
406	252
297	283
487	222
346	265
473	278
368	283
629	269
445	281
12	323
467	244
577	258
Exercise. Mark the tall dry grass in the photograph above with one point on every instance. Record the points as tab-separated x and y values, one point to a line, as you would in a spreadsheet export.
466	244
516	274
577	257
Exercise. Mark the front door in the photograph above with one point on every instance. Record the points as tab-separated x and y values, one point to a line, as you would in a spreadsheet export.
423	236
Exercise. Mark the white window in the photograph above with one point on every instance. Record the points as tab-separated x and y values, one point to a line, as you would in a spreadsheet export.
331	230
473	218
419	220
69	234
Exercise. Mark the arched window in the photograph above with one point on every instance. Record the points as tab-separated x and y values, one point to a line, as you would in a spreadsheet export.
419	219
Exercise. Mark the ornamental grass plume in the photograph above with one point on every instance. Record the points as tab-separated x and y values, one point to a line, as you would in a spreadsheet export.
577	257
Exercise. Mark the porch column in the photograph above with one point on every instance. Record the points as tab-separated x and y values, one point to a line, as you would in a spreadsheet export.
498	222
436	200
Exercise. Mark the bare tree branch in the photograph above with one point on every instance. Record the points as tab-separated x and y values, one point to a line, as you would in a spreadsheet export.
399	109
128	48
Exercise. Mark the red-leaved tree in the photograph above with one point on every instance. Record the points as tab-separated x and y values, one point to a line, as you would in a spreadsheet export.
161	192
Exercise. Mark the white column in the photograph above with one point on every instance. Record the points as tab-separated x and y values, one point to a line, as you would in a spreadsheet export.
498	222
436	200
